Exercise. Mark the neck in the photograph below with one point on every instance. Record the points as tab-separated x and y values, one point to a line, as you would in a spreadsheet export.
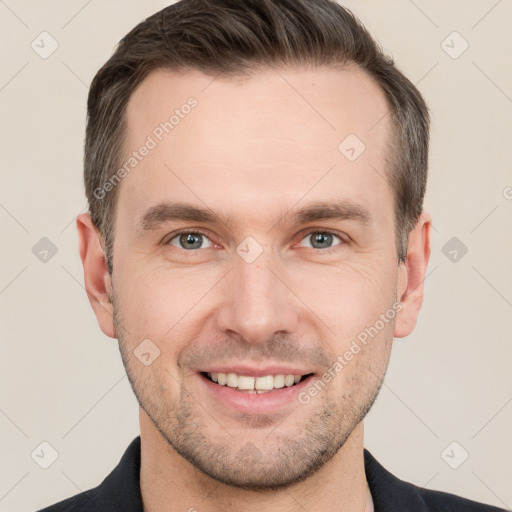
170	483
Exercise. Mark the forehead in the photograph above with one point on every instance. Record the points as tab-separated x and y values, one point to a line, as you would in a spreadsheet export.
277	137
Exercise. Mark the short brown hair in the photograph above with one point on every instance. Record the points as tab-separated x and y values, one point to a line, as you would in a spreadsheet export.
228	37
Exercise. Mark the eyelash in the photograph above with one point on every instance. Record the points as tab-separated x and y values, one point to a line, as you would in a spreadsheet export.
310	231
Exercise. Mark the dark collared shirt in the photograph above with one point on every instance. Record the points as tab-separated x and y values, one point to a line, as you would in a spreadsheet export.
120	491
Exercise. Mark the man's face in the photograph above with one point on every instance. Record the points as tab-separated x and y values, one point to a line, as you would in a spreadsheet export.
264	290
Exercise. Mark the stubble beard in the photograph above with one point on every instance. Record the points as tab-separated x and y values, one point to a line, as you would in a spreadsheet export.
265	459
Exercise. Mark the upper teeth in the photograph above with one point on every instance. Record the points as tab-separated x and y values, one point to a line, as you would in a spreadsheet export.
267	382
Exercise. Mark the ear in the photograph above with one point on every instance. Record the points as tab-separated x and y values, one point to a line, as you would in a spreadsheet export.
411	276
96	277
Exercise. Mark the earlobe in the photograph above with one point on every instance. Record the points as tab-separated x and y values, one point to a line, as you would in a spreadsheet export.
96	277
411	276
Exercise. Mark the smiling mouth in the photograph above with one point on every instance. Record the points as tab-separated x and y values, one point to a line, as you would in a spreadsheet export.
255	385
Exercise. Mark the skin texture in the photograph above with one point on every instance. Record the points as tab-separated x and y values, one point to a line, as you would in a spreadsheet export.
255	151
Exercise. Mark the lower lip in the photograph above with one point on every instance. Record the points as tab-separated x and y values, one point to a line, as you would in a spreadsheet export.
255	403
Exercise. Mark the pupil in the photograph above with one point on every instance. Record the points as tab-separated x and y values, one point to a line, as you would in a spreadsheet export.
321	238
190	240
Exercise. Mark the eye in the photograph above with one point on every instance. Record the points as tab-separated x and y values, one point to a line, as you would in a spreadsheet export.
320	240
190	240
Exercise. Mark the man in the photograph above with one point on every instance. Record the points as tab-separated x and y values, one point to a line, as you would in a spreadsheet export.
255	174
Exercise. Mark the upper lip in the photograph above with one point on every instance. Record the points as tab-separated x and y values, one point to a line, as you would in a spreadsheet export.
252	371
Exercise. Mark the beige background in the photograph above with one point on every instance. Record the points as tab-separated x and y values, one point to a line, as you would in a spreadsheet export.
62	380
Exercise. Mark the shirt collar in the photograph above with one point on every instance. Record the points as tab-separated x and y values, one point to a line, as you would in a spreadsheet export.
121	488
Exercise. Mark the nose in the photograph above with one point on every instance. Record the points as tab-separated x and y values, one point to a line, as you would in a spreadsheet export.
257	302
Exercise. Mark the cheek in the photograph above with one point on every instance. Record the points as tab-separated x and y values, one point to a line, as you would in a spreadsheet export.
160	303
173	305
348	298
360	363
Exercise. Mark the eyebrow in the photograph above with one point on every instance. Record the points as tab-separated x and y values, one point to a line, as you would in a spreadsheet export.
337	210
158	215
